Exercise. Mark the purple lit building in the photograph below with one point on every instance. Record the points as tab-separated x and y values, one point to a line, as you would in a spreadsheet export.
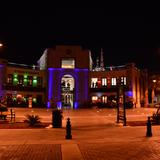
65	77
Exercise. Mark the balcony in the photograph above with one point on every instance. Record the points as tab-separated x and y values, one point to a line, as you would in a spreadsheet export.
23	88
106	89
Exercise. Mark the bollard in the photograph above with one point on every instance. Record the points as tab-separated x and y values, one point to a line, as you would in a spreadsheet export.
149	128
68	129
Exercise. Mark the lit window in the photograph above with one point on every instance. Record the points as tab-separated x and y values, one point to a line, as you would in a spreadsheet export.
9	78
123	80
15	75
94	99
94	82
34	81
25	76
30	80
104	99
68	63
104	81
35	100
154	81
15	79
113	81
20	79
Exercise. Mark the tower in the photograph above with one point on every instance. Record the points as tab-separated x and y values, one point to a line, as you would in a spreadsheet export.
97	68
102	61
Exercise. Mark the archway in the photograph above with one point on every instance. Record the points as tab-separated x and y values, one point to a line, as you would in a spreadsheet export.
67	91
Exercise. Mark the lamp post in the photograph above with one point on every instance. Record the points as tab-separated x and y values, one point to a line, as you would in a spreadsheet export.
153	90
121	115
118	101
124	106
1	46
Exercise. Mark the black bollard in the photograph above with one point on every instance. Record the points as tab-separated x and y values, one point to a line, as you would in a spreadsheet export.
149	128
68	129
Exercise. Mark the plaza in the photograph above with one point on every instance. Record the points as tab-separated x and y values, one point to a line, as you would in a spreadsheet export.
95	135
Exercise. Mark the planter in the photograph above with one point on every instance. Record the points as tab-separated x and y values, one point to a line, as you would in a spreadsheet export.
57	118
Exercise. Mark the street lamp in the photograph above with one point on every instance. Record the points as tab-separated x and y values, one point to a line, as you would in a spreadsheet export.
1	45
121	113
153	90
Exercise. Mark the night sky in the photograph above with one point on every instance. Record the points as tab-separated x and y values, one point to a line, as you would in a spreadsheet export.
123	38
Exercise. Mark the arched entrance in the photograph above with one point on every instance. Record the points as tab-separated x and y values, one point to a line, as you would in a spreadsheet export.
67	91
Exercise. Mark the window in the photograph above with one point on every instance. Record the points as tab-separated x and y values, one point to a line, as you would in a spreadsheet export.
68	63
104	99
20	79
30	80
34	81
104	81
25	79
39	81
9	78
15	79
113	81
94	82
123	80
94	99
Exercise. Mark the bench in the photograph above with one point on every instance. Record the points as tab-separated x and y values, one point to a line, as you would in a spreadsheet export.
12	114
8	114
155	118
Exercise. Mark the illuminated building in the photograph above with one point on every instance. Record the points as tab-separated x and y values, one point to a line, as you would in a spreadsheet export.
154	87
65	77
20	82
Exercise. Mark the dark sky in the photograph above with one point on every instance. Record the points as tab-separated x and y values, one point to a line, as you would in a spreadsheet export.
123	38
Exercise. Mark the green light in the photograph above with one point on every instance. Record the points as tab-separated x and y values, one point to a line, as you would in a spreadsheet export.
34	83
25	82
15	75
25	76
35	77
15	79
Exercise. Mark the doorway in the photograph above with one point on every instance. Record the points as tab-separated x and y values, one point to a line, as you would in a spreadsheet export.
67	91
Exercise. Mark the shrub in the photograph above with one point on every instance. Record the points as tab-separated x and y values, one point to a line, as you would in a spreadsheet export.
32	119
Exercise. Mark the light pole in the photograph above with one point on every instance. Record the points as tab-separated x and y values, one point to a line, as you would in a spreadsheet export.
153	90
121	113
1	46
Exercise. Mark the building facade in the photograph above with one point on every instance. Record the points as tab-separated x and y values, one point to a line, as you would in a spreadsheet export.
154	88
19	83
65	77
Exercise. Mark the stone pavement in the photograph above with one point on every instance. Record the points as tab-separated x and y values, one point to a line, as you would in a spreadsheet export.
94	138
30	152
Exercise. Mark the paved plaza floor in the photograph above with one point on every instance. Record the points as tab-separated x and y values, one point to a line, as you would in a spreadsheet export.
95	136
